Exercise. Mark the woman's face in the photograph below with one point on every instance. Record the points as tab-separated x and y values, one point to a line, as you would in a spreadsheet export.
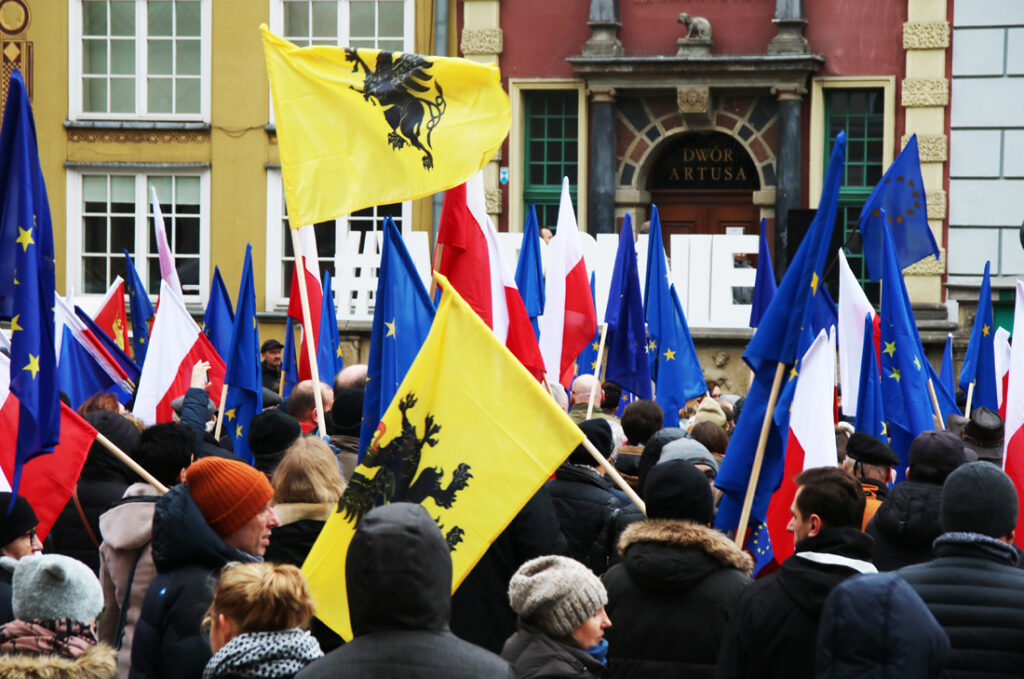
591	632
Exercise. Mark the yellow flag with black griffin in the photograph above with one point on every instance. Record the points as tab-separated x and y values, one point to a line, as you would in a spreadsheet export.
363	127
470	435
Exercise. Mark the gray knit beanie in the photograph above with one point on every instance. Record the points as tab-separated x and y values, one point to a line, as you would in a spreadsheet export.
52	586
556	594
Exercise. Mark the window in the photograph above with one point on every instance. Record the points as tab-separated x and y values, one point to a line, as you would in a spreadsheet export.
147	59
375	24
111	212
550	150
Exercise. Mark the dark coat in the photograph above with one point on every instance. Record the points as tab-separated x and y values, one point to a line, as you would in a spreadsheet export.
591	517
69	536
877	627
535	655
906	525
194	416
481	612
774	627
6	610
400	614
975	590
671	598
188	555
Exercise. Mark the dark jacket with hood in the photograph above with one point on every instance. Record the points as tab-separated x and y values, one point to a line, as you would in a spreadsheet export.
975	590
774	627
399	573
877	627
535	655
905	525
188	555
671	598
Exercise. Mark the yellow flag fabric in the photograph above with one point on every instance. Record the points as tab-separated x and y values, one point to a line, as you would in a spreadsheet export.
358	128
471	436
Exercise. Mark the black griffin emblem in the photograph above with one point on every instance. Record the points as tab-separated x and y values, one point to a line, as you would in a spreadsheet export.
400	84
400	478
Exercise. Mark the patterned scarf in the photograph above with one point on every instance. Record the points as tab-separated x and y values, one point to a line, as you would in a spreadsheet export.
65	637
264	655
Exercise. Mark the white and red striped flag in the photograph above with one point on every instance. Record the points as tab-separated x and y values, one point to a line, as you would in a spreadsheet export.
1013	454
315	290
853	306
1001	347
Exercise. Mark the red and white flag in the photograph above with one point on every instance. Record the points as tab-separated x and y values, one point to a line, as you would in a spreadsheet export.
167	270
112	317
472	261
315	290
1001	346
812	435
175	344
853	306
1013	455
569	321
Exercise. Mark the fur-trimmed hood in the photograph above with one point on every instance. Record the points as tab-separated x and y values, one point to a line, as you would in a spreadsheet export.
290	512
684	535
99	662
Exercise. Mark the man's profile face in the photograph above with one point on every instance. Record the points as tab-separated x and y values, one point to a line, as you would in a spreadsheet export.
273	357
799	525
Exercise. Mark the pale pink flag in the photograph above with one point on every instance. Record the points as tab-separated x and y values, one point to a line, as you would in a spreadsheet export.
163	248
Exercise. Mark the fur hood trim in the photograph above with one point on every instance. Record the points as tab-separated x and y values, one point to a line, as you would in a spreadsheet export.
291	512
686	534
99	662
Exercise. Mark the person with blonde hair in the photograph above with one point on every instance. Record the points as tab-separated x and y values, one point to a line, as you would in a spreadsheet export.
256	623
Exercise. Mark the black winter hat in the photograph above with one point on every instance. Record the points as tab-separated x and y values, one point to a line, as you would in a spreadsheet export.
21	520
869	450
941	450
347	411
270	434
677	490
599	432
978	498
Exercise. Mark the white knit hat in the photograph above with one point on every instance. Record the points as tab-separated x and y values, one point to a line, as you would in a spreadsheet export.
556	594
52	586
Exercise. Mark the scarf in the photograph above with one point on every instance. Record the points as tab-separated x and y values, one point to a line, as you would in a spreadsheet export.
264	655
65	637
993	547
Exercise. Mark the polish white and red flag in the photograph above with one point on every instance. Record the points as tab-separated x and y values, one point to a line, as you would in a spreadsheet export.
1013	454
167	270
471	258
812	437
852	307
1001	347
175	345
570	320
314	289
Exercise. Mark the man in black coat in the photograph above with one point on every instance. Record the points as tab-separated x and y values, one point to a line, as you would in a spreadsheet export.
774	628
974	586
399	573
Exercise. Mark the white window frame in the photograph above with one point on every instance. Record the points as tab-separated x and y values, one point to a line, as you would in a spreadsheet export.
140	254
75	64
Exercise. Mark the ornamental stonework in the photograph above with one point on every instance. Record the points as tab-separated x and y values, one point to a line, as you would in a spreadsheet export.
482	41
929	35
929	266
936	201
933	148
92	136
925	92
492	201
693	99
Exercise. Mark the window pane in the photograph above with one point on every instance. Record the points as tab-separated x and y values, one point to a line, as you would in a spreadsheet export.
186	98
159	95
94	17
122	234
160	57
361	19
390	45
189	18
94	236
163	192
296	19
325	19
363	44
94	56
122	17
186	240
122	189
94	190
188	57
160	18
391	18
122	57
187	192
188	274
94	95
94	275
122	95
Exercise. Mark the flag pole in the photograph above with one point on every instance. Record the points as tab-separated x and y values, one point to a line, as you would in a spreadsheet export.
220	412
597	369
614	474
307	322
135	466
762	442
970	397
935	405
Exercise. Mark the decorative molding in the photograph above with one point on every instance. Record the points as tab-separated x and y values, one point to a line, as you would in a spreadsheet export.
492	201
693	99
101	136
936	202
15	54
928	35
929	266
14	17
933	148
482	41
925	92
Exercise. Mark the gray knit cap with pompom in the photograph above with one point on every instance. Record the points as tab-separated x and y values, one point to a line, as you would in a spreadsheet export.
52	586
556	594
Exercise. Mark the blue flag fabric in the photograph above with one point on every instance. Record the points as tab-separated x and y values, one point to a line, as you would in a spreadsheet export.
980	360
783	336
289	364
27	279
80	376
764	282
870	417
900	194
824	314
130	367
626	338
530	271
328	347
140	307
586	362
759	542
401	321
243	376
946	376
673	358
219	319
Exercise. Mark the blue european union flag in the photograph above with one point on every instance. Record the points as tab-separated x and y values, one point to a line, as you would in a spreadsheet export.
764	282
870	418
27	281
243	377
946	376
980	360
289	364
80	376
530	272
824	314
131	368
219	319
328	347
401	321
586	362
900	194
141	309
626	338
759	543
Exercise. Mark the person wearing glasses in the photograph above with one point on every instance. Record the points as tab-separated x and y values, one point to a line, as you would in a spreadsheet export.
18	537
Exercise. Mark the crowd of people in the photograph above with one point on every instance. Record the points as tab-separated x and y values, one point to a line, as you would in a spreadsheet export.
920	578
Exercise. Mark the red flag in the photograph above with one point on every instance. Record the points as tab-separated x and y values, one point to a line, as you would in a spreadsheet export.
307	238
112	318
1013	455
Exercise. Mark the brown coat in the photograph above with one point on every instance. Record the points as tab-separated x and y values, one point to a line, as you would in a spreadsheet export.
99	662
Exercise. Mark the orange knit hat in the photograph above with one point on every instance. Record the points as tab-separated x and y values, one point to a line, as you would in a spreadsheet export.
227	492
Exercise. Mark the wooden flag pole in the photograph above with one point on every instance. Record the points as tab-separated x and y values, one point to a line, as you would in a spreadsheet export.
307	323
614	474
597	368
762	442
220	412
135	466
970	397
935	406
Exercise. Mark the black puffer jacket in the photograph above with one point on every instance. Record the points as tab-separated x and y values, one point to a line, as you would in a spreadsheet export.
671	598
906	524
399	574
188	555
975	590
592	518
877	627
774	627
535	655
